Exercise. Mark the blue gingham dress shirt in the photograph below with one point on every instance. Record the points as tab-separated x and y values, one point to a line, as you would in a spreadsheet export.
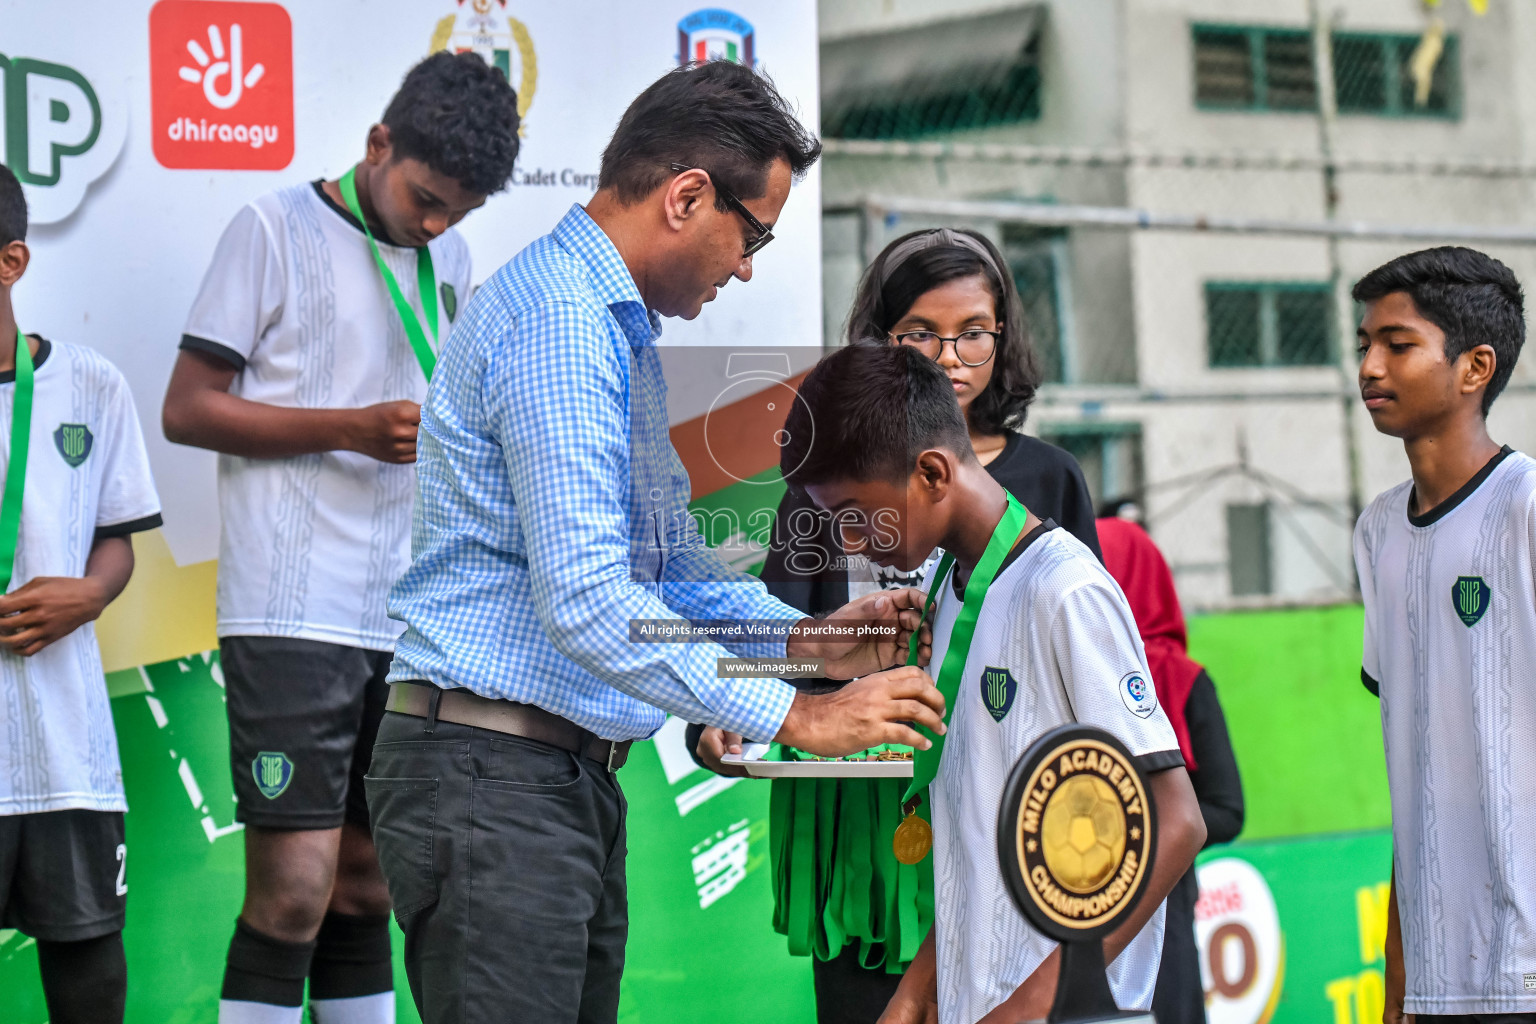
551	509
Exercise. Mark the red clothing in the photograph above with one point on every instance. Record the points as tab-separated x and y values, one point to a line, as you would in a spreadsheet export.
1136	564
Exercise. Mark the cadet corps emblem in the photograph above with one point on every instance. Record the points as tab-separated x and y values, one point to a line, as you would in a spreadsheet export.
73	440
1075	833
1470	599
998	688
272	771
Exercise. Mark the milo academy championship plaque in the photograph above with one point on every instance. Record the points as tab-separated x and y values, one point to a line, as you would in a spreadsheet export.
1076	836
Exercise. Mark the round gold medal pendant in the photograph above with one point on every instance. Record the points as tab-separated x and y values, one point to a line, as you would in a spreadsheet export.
913	839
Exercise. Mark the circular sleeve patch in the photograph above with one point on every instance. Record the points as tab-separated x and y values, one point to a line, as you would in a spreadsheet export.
1137	693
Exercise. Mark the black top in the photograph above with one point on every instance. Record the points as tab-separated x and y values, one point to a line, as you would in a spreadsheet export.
1217	784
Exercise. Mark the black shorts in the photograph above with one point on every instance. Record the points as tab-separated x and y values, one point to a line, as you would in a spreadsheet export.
63	874
302	718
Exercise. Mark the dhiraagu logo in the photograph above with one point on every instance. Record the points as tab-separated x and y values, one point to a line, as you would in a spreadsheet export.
60	130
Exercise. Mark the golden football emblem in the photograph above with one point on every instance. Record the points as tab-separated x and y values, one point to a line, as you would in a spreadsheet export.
1083	833
1075	833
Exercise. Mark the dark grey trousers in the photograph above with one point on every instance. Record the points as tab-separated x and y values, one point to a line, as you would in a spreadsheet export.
505	863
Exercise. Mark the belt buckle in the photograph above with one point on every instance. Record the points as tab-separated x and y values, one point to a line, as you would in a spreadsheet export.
613	749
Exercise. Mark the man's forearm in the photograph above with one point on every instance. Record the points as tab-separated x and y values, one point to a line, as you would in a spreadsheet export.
233	425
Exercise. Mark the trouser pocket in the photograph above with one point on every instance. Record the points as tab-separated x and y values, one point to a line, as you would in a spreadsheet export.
404	813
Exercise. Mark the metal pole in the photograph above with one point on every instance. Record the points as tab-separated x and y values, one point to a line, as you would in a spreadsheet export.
1344	333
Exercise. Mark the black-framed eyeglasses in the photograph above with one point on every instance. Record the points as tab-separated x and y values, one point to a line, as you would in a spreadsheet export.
973	348
764	235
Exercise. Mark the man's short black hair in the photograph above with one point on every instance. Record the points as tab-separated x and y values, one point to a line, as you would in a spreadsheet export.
13	208
719	116
866	412
1472	297
458	115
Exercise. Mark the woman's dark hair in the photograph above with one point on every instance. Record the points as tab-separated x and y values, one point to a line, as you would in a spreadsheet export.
13	208
1015	371
866	412
719	116
458	115
1469	295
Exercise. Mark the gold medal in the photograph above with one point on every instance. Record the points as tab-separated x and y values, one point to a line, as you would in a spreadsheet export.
913	839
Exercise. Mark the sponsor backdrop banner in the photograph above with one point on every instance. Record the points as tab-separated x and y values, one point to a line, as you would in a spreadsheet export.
140	129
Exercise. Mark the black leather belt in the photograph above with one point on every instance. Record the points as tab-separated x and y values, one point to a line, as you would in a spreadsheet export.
525	720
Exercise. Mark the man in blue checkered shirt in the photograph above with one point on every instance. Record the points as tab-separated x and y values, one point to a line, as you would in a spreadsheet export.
551	521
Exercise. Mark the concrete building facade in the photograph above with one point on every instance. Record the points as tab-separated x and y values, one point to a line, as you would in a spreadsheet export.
1208	373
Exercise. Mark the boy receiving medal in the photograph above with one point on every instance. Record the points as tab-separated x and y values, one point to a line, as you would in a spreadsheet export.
305	359
1029	633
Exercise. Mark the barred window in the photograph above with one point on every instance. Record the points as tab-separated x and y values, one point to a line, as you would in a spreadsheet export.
1036	259
1269	324
1245	68
951	99
1373	75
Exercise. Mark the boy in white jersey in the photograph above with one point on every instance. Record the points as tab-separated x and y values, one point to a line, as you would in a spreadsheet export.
85	488
1447	564
877	438
305	358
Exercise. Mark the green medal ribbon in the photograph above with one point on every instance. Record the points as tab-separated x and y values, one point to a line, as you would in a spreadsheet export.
16	469
426	284
925	763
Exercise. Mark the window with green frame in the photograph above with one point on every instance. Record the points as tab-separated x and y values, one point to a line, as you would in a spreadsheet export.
1371	75
983	95
1268	324
1239	67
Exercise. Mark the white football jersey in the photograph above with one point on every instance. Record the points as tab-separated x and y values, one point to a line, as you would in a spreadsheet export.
310	545
1450	642
1058	625
87	477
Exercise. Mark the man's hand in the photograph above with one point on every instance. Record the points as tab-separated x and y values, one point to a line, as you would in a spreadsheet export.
386	431
48	608
714	743
865	713
895	613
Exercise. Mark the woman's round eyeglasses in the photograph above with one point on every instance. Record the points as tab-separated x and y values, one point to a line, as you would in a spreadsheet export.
973	348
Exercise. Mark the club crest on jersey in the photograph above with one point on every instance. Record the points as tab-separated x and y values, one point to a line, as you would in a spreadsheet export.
272	771
73	440
1138	695
1470	599
450	301
998	688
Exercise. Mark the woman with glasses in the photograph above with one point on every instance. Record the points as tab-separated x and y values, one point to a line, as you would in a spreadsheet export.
839	894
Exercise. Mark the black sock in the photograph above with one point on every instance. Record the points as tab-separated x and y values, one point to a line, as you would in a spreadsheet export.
351	957
84	982
261	969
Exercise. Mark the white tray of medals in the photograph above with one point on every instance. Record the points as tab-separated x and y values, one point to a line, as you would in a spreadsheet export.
885	762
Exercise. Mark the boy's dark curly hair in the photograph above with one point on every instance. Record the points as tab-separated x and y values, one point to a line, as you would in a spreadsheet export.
458	115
